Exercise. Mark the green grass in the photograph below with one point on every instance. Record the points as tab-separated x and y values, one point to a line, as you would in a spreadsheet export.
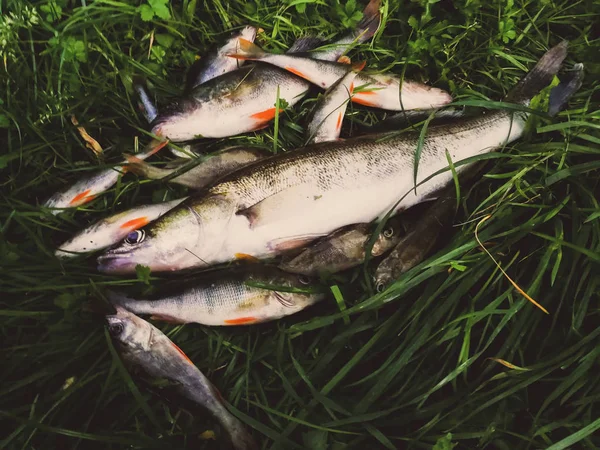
402	369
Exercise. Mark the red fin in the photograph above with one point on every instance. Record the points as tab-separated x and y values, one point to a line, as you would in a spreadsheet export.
338	125
358	66
134	224
81	198
248	50
351	87
361	101
158	145
344	60
296	72
241	321
182	354
266	115
246	257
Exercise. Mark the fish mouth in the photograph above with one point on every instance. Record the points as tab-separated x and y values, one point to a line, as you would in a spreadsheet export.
111	263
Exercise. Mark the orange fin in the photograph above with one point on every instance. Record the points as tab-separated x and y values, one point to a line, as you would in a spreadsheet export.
241	321
344	60
155	146
81	198
247	50
358	66
182	354
338	125
136	223
357	98
284	244
136	165
266	115
246	257
296	72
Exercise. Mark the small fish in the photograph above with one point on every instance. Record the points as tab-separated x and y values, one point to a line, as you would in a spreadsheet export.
89	187
326	122
419	240
227	298
292	198
364	31
209	169
374	90
112	229
344	248
146	349
234	103
217	63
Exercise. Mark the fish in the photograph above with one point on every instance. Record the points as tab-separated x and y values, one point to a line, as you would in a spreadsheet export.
203	171
148	351
375	90
419	240
344	248
227	298
327	119
112	229
289	199
216	62
91	186
237	102
365	30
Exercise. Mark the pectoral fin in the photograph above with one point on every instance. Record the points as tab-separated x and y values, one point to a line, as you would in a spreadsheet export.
292	242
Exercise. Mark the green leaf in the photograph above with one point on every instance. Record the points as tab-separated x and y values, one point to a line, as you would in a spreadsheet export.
444	443
146	12
4	121
413	22
143	273
316	439
160	8
166	40
65	301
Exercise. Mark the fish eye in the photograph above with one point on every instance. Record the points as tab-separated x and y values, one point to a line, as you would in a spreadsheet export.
388	232
135	237
380	287
115	329
303	279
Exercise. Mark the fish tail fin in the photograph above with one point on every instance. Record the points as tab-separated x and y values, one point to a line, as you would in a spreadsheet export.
540	76
137	166
561	94
248	50
370	22
152	148
305	44
145	105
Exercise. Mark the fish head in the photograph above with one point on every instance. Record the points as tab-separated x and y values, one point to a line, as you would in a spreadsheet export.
393	231
131	334
179	120
295	290
187	236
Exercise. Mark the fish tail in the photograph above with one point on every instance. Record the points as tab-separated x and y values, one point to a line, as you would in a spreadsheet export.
140	167
248	50
561	94
370	22
146	106
540	76
305	44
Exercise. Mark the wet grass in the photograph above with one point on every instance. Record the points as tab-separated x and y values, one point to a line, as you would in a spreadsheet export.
450	354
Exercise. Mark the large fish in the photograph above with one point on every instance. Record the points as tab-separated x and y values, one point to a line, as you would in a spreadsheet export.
200	174
216	62
375	90
112	229
344	248
91	186
145	348
287	200
326	122
228	298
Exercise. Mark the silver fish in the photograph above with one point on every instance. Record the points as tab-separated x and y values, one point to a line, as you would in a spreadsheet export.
289	199
91	186
344	249
217	63
374	90
112	229
144	347
228	298
326	122
209	169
